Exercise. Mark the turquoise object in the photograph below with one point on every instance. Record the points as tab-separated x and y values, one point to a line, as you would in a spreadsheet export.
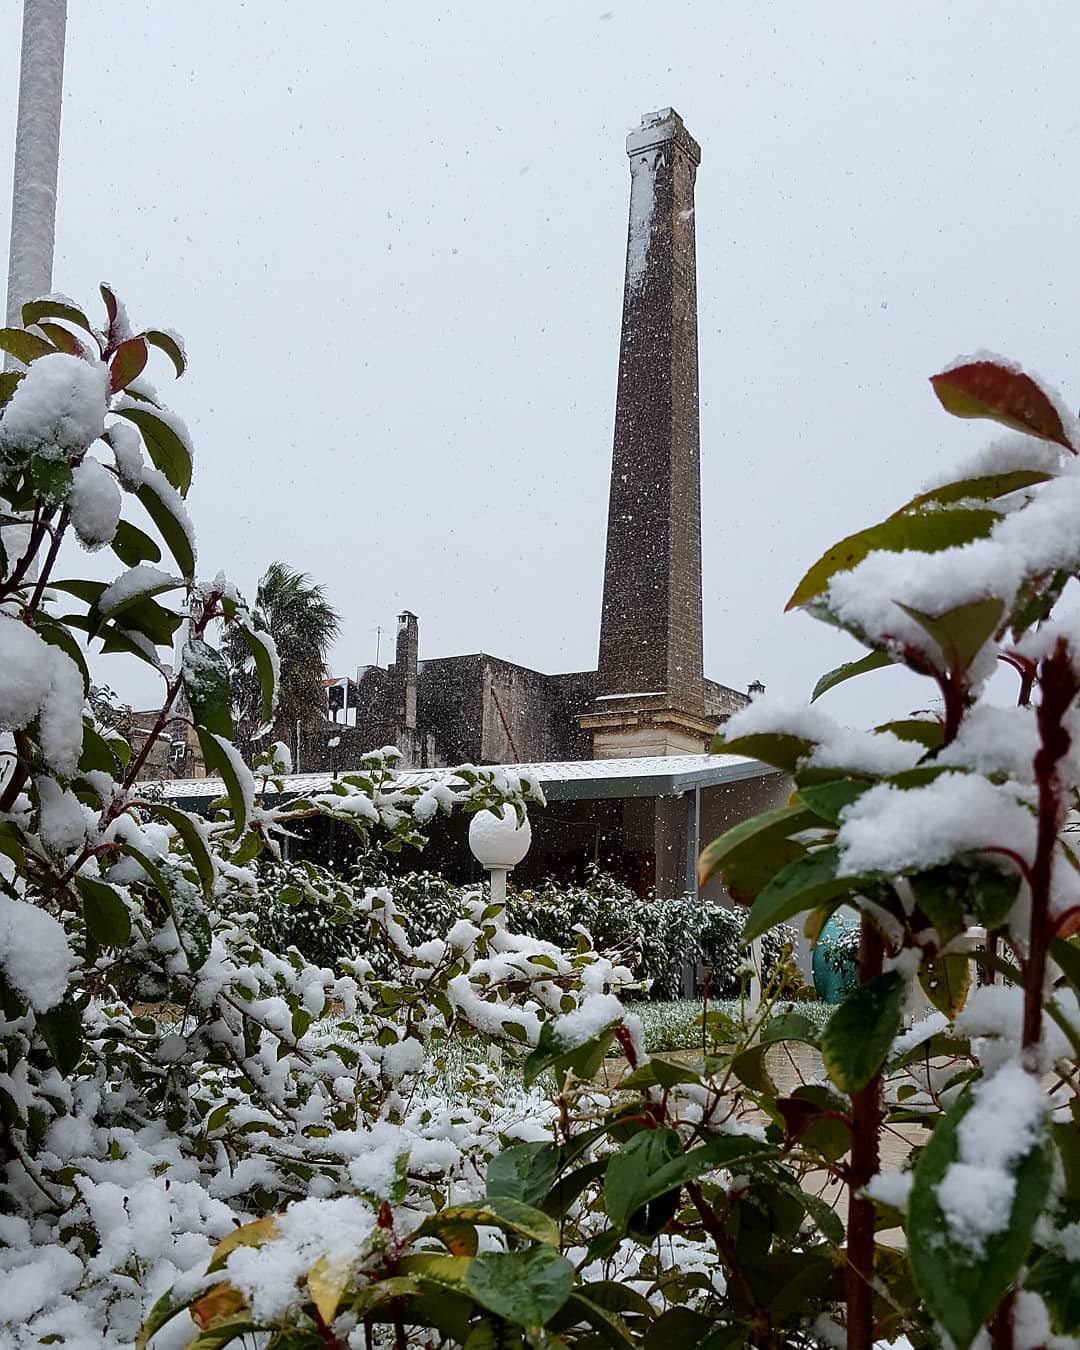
835	970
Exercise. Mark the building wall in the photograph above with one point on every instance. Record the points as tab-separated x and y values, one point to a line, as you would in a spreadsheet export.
450	705
721	702
725	805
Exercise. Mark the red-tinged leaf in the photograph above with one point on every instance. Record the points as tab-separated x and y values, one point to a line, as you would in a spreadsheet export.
1069	924
111	306
800	1115
61	338
128	363
221	1302
987	389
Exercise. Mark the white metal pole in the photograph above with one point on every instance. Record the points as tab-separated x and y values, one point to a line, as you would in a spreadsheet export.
757	960
37	154
498	885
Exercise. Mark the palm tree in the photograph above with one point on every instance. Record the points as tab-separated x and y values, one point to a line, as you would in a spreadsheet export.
296	613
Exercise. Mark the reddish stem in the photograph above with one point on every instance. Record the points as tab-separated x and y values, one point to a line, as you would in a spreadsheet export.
1059	686
865	1161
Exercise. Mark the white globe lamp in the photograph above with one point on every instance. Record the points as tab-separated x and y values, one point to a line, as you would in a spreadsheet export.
499	843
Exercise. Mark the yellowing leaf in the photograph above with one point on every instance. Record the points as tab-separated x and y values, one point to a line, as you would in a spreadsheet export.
326	1283
250	1235
221	1302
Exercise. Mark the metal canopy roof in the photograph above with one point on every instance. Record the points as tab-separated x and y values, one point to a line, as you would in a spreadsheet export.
566	780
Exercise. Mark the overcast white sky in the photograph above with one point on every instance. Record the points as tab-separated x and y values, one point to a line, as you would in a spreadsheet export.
393	237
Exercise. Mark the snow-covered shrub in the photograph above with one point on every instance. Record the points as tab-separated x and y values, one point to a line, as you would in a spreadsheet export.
696	1203
655	936
298	904
205	1136
167	1069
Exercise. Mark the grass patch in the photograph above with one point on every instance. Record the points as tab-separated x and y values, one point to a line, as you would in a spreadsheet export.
674	1025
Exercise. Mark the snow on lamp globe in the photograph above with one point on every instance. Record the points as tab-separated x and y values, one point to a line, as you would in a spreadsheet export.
499	843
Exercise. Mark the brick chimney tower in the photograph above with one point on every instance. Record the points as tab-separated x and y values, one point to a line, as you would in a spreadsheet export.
649	688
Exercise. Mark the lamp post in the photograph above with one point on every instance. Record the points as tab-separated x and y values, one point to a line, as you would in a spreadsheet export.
37	153
499	843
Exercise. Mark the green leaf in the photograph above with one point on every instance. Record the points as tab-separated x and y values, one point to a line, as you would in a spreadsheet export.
1066	954
133	546
51	478
1056	1279
527	1288
492	1333
861	1031
828	800
652	1163
609	1325
749	1068
164	1310
142	615
789	1026
127	364
138	598
205	674
183	903
946	981
36	310
985	488
23	346
750	854
173	529
962	1287
193	926
960	633
189	832
88	591
239	784
525	1172
924	533
848	671
96	752
61	1027
920	729
631	1169
771	747
679	1328
107	918
59	635
166	343
165	448
828	1222
550	1053
259	645
9	382
614	1296
498	1211
219	1335
1036	599
569	1186
989	389
801	885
